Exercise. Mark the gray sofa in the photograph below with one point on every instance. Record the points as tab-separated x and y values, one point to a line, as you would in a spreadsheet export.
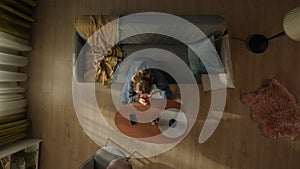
106	157
213	26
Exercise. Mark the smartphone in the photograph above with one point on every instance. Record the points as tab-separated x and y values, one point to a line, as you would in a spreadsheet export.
132	118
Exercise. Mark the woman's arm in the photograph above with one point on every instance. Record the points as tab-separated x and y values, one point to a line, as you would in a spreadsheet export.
161	83
167	92
131	93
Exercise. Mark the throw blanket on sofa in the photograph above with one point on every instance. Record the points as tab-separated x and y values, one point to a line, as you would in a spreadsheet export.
103	55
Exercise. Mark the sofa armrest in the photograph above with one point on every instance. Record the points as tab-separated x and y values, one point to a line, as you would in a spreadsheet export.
221	80
78	62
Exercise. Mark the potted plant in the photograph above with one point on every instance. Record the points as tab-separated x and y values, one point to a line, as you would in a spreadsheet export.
22	157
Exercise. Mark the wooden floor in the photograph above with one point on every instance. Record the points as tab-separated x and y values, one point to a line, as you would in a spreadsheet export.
237	142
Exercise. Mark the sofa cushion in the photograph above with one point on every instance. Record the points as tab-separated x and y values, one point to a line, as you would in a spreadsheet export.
196	64
178	49
225	79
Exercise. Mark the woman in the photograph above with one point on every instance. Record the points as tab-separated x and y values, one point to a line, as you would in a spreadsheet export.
143	80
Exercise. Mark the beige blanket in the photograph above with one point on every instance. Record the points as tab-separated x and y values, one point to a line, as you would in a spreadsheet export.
103	55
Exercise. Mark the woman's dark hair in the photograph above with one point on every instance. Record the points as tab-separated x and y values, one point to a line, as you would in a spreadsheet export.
142	82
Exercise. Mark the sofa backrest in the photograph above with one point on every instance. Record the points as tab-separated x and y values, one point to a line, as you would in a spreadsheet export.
208	24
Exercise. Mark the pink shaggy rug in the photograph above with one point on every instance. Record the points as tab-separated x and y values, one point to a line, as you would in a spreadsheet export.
275	109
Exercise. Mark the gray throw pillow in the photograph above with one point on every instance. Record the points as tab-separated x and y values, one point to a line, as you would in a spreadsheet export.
195	62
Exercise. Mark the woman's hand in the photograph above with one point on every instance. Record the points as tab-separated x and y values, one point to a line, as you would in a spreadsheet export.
144	100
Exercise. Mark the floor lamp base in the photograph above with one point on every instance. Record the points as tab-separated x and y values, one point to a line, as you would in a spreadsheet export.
257	43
